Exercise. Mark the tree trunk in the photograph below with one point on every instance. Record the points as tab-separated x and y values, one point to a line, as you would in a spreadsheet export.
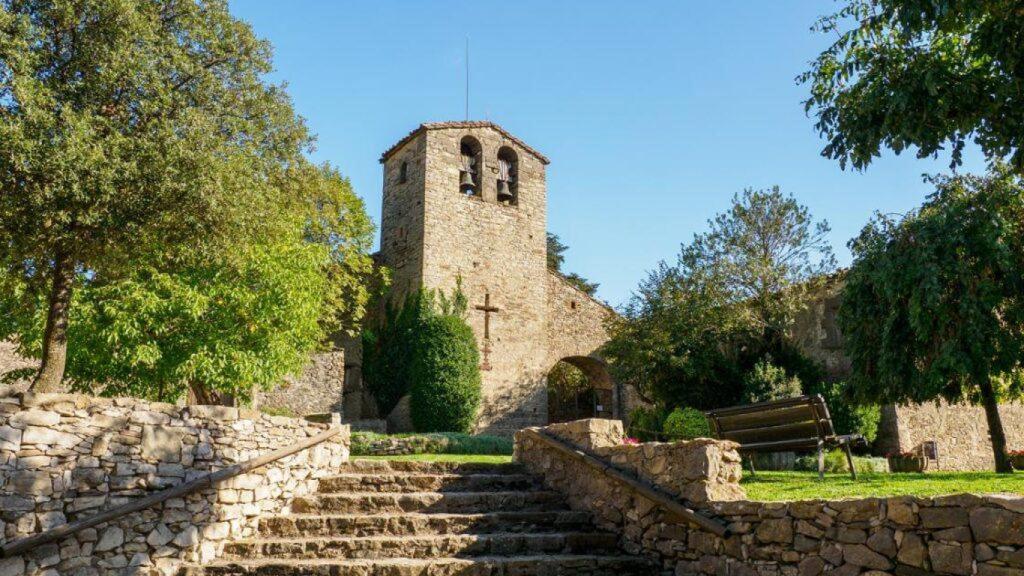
55	337
995	426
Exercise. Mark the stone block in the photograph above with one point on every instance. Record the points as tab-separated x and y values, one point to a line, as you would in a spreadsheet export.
10	439
951	558
998	526
111	538
861	555
943	517
161	443
41	418
47	436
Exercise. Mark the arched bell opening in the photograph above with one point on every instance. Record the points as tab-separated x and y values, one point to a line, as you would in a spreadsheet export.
470	167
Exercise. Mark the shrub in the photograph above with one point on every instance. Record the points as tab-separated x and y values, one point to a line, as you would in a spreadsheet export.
848	418
388	349
835	461
646	423
373	444
686	424
444	376
766	381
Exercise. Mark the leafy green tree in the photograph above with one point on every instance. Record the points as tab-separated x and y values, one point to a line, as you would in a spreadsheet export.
766	381
127	128
215	325
693	330
445	375
849	417
932	306
930	74
556	257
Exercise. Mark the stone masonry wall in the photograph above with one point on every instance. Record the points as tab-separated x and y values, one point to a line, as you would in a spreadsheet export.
955	535
960	431
67	457
319	389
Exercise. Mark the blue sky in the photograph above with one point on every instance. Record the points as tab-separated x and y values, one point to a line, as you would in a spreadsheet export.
653	113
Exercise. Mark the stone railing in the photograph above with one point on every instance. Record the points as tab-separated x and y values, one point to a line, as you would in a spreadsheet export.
66	457
957	535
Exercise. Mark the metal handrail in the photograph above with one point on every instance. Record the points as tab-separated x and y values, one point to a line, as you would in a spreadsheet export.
60	532
657	495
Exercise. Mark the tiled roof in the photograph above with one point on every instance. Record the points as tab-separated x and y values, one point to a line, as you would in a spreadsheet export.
461	124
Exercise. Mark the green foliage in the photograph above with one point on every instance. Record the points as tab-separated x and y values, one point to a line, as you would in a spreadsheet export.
570	395
389	347
132	131
646	423
848	417
444	375
367	443
932	305
216	324
766	381
556	257
925	74
835	462
692	330
686	424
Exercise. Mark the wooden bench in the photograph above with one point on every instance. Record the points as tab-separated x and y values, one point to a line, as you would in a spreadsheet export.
793	424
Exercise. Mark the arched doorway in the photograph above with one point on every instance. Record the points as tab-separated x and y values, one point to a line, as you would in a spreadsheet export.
580	387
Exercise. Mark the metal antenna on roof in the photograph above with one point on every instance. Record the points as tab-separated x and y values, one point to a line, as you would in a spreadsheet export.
467	77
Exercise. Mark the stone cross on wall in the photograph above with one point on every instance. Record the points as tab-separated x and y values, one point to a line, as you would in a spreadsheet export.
487	309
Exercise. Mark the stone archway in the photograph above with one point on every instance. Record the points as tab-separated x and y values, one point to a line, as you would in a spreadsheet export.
580	387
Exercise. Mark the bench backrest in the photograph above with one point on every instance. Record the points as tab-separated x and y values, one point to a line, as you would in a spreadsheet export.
792	424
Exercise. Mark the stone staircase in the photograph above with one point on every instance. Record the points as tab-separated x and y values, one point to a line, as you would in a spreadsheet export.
381	518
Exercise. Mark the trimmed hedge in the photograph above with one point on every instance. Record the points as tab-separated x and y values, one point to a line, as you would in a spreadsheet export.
686	424
445	376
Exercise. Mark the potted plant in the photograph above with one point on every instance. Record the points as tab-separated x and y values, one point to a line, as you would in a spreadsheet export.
1017	458
906	462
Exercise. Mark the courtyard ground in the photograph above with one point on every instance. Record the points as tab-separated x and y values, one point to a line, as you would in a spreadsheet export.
783	486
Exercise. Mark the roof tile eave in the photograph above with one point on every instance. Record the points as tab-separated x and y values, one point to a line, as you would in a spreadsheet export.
460	124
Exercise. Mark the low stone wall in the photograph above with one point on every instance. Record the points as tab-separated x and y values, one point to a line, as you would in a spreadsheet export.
957	535
960	431
65	457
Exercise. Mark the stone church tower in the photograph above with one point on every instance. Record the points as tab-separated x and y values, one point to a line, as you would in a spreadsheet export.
468	200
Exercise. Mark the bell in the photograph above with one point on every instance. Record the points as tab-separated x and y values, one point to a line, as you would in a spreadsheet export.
504	194
466	181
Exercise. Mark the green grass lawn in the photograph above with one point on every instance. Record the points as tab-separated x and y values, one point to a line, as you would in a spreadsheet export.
782	486
485	458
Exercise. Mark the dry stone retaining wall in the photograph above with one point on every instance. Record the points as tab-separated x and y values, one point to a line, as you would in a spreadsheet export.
65	457
955	535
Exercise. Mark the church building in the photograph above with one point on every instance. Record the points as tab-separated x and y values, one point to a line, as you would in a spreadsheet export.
468	200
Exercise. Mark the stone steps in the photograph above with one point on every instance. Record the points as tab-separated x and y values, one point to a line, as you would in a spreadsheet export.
417	482
436	546
388	518
423	524
540	565
458	502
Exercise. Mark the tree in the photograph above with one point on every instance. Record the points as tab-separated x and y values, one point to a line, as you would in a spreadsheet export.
693	330
129	129
767	254
556	257
766	381
216	325
932	305
926	73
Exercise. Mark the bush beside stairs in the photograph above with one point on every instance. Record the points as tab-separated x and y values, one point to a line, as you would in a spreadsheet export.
394	518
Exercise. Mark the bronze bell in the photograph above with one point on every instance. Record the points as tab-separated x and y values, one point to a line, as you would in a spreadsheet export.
504	194
466	181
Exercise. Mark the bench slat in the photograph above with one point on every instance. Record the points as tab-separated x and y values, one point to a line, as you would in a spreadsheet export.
790	431
763	418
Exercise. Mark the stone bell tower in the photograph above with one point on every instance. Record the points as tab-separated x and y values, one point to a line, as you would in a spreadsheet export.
469	200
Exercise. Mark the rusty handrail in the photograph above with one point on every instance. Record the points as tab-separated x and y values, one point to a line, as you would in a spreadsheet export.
657	495
63	531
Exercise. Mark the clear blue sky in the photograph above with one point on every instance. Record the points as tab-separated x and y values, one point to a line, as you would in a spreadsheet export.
653	113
